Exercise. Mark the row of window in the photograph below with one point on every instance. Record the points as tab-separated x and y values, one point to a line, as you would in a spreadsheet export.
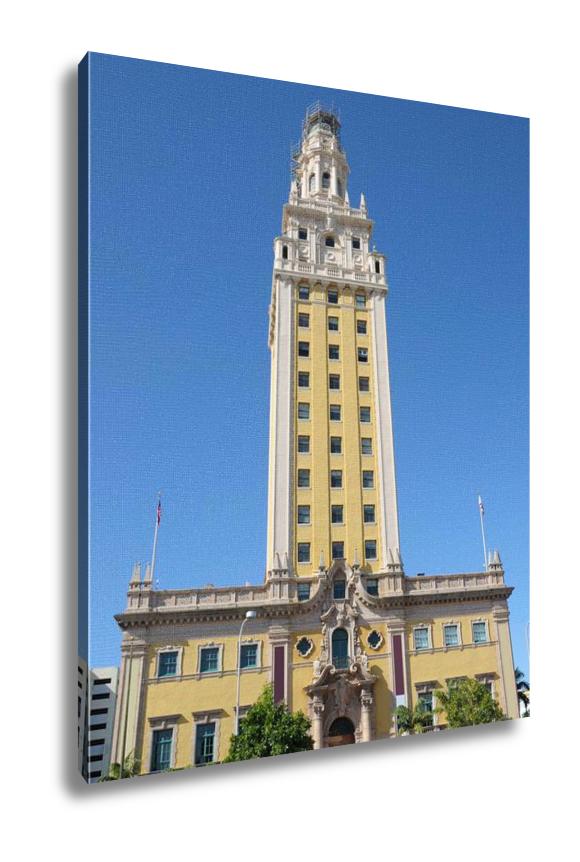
334	383
162	744
334	412
360	299
337	513
339	592
304	323
336	475
451	635
333	351
209	660
337	551
335	449
303	232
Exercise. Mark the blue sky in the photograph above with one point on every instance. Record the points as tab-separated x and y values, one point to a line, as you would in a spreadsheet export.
189	171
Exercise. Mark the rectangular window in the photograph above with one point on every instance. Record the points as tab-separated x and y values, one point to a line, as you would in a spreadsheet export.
369	513
105	695
209	659
97	727
334	381
329	241
333	297
249	655
103	680
338	550
99	711
303	514
368	479
365	414
451	635
336	445
204	743
167	665
96	774
333	351
336	478
303	478
161	750
372	586
363	384
303	552
96	741
360	300
363	354
303	592
303	292
303	379
336	516
366	446
303	320
339	592
421	637
370	549
333	324
356	242
95	758
302	233
303	443
335	412
361	327
425	703
303	410
304	348
479	632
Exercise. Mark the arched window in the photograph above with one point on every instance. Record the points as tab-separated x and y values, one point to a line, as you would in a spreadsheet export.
339	188
329	242
284	252
326	180
311	182
340	649
377	266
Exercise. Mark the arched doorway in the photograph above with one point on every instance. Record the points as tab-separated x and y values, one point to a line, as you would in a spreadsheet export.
340	732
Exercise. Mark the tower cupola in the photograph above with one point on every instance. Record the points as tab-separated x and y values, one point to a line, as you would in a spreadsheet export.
320	167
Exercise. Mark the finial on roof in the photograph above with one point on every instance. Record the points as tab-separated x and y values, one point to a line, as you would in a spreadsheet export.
136	574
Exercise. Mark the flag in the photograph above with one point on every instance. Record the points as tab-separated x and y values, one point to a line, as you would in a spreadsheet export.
159	511
481	509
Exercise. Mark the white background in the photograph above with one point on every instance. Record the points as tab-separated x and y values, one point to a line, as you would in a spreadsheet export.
493	793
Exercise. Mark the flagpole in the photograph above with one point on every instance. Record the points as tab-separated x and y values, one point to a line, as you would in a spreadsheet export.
157	520
480	501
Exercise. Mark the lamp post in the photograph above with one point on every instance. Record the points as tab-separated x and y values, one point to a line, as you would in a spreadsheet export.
250	615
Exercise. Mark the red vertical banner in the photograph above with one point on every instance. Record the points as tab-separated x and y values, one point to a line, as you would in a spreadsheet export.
279	673
398	664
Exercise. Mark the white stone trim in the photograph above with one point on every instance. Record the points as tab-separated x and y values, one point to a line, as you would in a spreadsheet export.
488	639
281	425
252	642
210	645
385	448
429	637
456	623
208	716
158	652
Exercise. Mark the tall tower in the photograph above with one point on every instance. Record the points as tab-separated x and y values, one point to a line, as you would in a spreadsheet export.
332	491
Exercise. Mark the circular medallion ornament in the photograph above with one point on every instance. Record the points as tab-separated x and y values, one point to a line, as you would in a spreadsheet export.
375	639
304	646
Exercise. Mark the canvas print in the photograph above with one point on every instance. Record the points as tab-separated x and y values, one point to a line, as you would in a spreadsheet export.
303	414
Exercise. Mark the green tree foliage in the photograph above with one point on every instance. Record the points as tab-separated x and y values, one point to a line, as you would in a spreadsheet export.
131	767
268	729
413	720
523	690
468	702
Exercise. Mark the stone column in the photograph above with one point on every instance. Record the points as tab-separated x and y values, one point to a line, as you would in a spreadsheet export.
317	714
366	703
506	661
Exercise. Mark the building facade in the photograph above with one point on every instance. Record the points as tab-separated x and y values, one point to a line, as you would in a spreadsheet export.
100	718
339	629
